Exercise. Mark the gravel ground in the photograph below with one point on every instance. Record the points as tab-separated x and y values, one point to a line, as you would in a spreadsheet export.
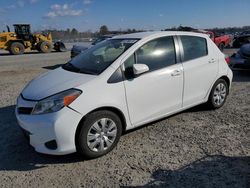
195	148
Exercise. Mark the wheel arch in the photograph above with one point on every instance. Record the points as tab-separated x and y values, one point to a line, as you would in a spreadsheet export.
226	79
12	41
109	108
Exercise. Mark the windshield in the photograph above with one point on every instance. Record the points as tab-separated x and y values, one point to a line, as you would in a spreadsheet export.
97	58
100	39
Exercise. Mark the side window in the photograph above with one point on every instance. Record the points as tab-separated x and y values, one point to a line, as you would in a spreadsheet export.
194	47
157	54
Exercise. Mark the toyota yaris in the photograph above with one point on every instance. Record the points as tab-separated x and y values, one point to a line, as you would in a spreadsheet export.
120	84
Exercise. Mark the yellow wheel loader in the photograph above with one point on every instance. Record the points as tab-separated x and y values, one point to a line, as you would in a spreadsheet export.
22	39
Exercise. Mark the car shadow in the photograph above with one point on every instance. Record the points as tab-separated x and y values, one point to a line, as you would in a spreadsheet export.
199	108
16	153
209	171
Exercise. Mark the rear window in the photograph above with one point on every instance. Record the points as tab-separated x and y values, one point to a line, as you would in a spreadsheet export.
194	47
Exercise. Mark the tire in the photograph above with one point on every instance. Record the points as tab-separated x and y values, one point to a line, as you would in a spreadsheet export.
60	46
218	94
17	48
45	47
38	47
93	140
221	46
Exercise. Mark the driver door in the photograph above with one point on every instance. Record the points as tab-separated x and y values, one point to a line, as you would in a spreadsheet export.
159	91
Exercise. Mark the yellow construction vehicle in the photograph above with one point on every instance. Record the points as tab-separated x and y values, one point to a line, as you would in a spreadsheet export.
22	39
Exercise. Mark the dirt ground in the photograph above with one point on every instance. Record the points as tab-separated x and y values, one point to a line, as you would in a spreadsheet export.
195	148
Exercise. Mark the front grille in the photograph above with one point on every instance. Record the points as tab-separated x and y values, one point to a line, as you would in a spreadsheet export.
25	110
25	106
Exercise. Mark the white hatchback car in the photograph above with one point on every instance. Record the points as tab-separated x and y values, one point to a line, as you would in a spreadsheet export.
120	84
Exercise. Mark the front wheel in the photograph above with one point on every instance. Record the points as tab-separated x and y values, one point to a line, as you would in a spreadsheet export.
44	47
218	94
17	48
99	134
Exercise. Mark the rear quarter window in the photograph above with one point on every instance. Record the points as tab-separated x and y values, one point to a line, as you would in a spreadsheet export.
194	47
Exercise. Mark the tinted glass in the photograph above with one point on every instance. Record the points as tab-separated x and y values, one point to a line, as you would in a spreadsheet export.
157	54
194	47
97	58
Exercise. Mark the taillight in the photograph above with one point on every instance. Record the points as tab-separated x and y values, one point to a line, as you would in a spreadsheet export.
227	60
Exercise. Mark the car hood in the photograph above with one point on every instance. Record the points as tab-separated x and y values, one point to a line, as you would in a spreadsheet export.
54	82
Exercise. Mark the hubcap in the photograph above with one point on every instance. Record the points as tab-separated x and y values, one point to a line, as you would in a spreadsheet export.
17	49
101	135
219	94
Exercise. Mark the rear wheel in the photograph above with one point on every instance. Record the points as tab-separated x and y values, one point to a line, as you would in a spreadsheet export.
218	94
45	47
99	134
17	48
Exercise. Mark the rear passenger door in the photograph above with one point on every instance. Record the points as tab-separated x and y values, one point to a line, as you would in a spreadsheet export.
200	66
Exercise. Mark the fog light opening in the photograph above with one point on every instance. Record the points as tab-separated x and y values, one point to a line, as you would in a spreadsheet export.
51	145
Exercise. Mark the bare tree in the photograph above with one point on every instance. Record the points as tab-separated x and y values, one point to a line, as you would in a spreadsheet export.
104	30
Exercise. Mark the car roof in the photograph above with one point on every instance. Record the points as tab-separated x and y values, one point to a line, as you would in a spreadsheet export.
142	35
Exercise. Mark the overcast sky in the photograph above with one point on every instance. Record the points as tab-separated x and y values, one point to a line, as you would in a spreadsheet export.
122	14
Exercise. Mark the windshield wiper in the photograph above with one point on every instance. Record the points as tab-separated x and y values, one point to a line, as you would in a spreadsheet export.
71	67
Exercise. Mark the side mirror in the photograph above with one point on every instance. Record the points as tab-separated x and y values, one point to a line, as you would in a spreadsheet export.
140	68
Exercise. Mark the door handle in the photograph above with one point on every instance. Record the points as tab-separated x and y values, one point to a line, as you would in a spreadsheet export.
212	61
176	72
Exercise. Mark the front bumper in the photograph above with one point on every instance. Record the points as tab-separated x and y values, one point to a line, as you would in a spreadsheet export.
42	130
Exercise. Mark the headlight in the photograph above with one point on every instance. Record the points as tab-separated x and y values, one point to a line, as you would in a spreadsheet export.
56	102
